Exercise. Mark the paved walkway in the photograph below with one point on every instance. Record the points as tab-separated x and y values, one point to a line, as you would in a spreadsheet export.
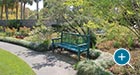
42	63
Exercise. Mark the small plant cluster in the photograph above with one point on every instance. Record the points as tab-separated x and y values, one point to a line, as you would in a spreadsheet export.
10	31
94	54
39	33
89	67
23	32
98	66
13	32
2	31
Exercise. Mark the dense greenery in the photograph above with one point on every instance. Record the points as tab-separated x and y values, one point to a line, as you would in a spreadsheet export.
12	65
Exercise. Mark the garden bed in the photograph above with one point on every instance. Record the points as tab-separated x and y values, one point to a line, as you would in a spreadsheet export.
123	70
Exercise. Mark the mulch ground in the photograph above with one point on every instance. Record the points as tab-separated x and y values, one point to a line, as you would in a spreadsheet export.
123	70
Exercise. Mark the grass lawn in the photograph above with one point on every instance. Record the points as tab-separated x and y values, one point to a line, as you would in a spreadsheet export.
12	65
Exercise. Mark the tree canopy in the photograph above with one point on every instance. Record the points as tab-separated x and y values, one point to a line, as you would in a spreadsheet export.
102	12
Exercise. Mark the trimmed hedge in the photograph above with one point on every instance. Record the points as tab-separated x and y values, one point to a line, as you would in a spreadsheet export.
34	46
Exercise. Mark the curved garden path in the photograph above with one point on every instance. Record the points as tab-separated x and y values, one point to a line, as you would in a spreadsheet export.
42	63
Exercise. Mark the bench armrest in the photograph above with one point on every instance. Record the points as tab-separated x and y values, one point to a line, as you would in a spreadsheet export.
56	38
84	44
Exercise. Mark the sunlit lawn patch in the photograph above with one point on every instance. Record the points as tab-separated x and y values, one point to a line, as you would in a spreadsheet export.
12	65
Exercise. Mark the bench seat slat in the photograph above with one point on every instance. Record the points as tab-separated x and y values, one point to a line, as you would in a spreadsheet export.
71	47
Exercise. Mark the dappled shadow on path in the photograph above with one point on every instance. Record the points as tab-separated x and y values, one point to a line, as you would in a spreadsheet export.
29	53
48	59
55	60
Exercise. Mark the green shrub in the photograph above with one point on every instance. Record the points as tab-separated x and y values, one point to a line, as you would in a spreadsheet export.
10	31
1	29
24	31
15	41
89	67
98	66
2	34
130	42
121	35
105	60
93	54
32	45
93	39
14	24
45	46
39	33
116	44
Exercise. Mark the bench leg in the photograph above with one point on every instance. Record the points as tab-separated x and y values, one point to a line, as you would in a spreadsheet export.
53	48
78	56
60	49
87	53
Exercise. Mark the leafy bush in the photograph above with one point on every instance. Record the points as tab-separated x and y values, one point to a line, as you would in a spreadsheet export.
94	54
116	44
24	31
89	67
45	46
14	24
97	66
39	33
130	42
1	29
92	39
10	31
105	60
122	36
2	34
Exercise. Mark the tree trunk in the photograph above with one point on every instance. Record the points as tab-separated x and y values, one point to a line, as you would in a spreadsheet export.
17	9
24	11
21	12
6	10
37	5
2	12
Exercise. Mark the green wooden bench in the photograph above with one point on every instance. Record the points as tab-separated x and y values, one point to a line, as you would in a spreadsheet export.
73	42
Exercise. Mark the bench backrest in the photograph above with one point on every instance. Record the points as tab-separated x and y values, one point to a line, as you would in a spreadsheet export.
74	38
